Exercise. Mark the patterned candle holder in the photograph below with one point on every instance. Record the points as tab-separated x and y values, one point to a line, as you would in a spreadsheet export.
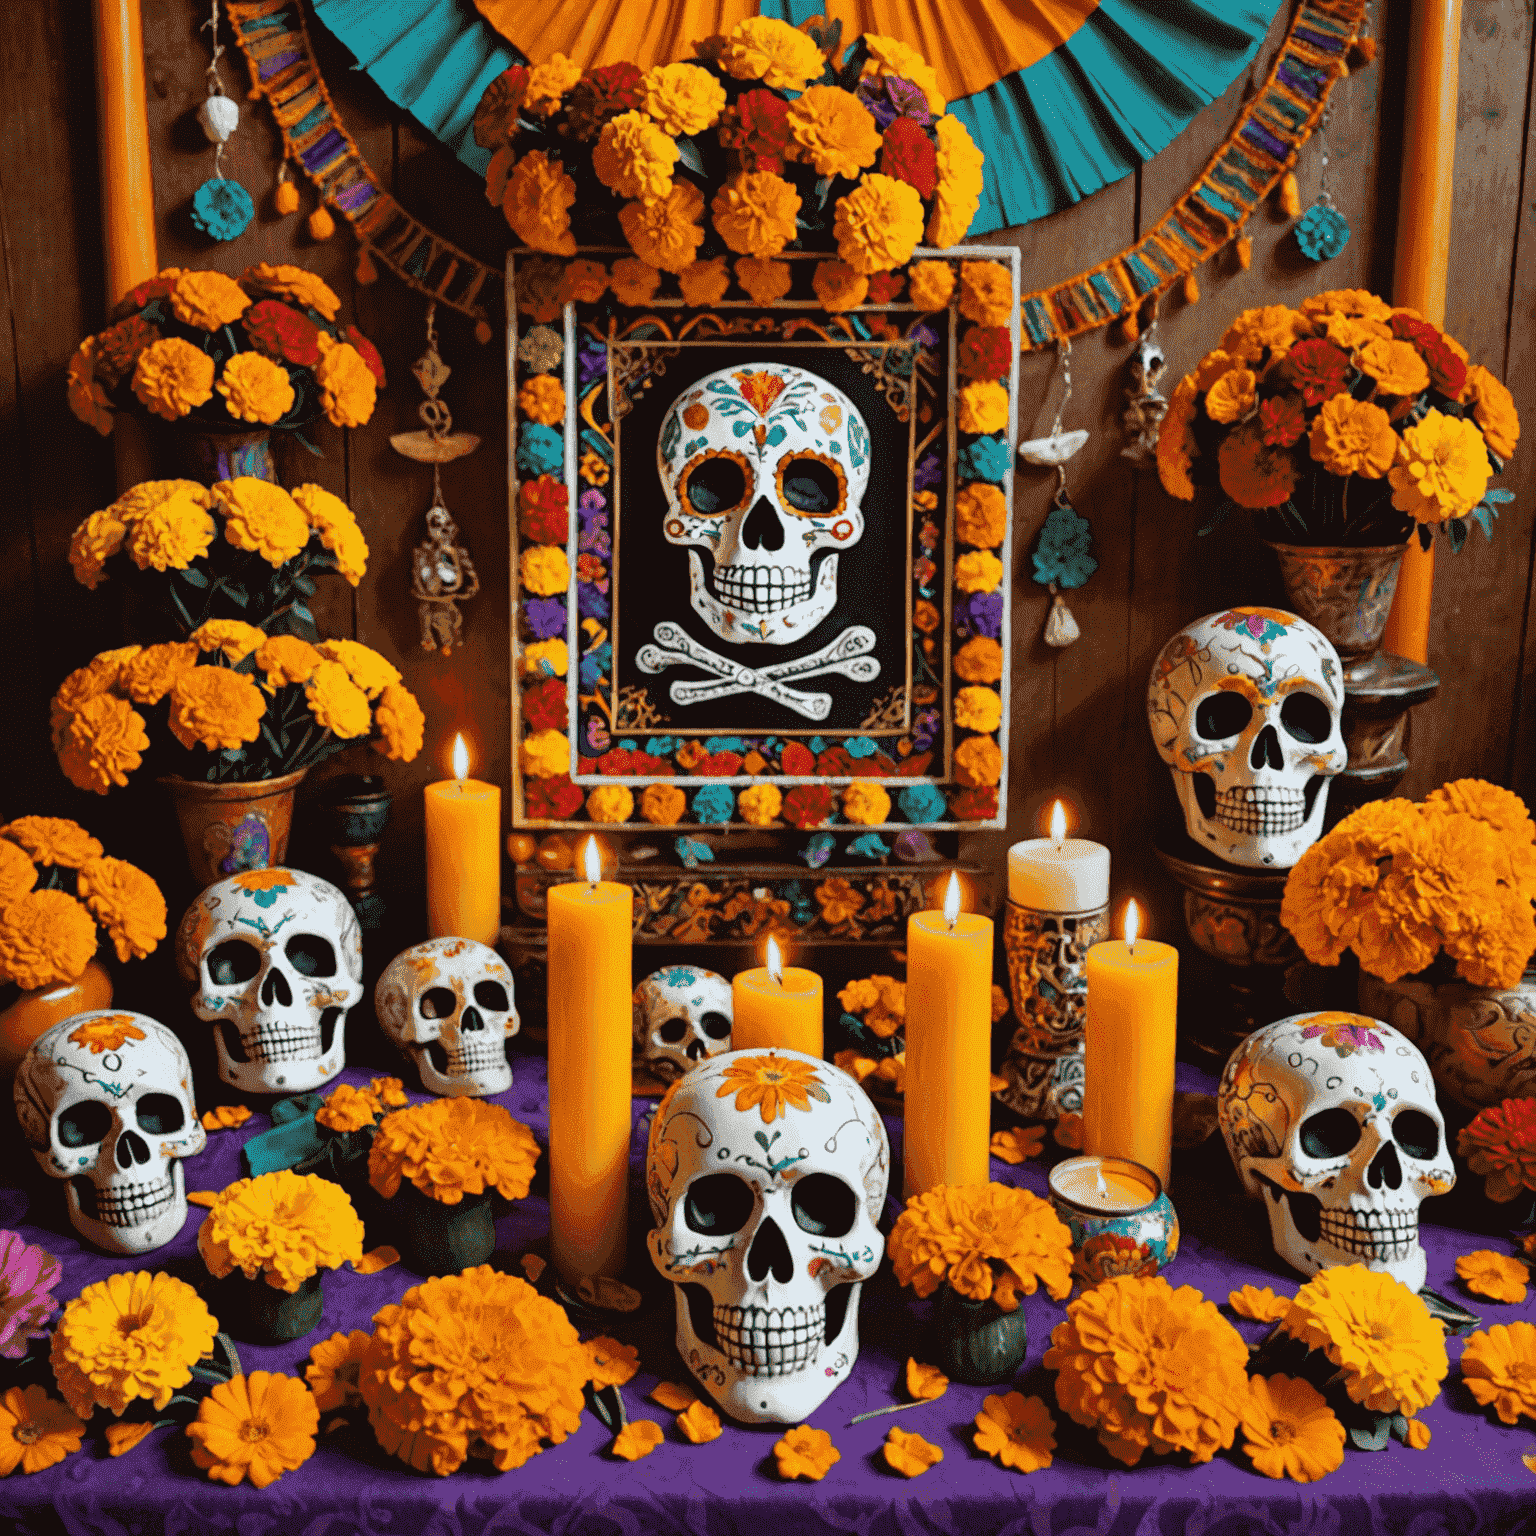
1046	954
1111	1233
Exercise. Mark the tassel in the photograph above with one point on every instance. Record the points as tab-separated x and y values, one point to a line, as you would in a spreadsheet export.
1290	196
1130	328
285	197
483	333
1060	627
365	271
1364	51
1191	288
1244	248
321	225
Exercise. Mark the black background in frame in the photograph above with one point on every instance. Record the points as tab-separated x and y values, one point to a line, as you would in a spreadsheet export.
872	575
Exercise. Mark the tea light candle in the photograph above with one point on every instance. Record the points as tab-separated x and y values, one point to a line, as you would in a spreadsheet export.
463	825
775	1005
1121	1220
590	927
1059	873
1109	1186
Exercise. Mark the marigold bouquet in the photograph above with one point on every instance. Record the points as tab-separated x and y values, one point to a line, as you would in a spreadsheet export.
228	354
766	140
986	1241
1345	421
1402	883
56	886
284	1226
229	703
449	1148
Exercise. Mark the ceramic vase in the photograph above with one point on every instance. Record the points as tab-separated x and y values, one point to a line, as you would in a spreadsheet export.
231	826
357	807
253	1310
438	1239
978	1343
214	456
1344	591
32	1013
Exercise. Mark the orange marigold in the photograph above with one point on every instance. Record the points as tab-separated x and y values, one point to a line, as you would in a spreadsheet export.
216	709
1353	437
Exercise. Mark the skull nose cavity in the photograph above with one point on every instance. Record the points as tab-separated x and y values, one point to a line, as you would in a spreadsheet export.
275	989
1385	1169
1266	750
769	1252
695	1051
471	1019
762	529
131	1150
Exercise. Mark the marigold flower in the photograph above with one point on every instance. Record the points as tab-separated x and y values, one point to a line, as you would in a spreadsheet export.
986	292
1016	1431
536	204
610	803
369	670
337	703
126	902
234	638
548	752
1442	470
660	804
544	570
978	709
294	283
542	399
1271	329
760	804
1353	437
960	183
172	377
401	723
983	408
1233	396
449	1148
87	399
261	517
978	761
634	158
931	284
1176	440
979	571
36	1431
1282	420
1493	408
683	98
332	1372
337	526
93	543
1494	1275
1499	1368
1500	1144
637	1439
979	660
548	82
255	388
838	286
100	743
1318	368
700	1423
168	535
1252	473
1290	1431
805	1452
286	659
1017	1143
1259	1306
703	282
908	154
18	875
348	388
866	804
208	300
612	1363
634	282
282	333
781	56
1395	365
282	1225
216	709
755	213
225	1117
257	1426
45	937
765	282
833	131
53	840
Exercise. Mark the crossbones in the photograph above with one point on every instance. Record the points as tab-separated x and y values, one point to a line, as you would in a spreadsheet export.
847	654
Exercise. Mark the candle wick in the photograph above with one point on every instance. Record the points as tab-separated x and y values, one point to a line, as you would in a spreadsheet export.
1098	1174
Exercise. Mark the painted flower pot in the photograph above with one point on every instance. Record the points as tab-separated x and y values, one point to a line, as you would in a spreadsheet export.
1345	592
32	1013
978	1343
438	1239
214	456
231	827
263	1314
1142	1241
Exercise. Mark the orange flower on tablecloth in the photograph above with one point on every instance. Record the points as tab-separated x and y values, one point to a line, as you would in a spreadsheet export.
1016	1431
332	1372
257	1427
700	1423
1258	1306
1494	1275
36	1430
1499	1367
1017	1143
612	1363
1290	1431
771	1084
638	1438
806	1452
1500	1144
925	1383
908	1453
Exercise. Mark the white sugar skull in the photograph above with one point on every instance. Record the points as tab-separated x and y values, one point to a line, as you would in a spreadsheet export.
767	1172
1331	1119
275	960
1245	709
449	1005
682	1014
764	468
105	1102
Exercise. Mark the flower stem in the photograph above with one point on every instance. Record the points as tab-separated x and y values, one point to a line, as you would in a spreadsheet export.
874	1413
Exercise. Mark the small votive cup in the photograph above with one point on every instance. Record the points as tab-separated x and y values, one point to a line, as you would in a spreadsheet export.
1121	1219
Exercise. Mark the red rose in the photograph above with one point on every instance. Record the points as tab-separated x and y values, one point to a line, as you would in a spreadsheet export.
1282	420
719	765
496	115
974	805
758	129
544	705
369	352
616	762
835	763
552	799
985	351
1447	372
907	153
282	333
544	518
807	805
796	762
885	287
1317	368
118	348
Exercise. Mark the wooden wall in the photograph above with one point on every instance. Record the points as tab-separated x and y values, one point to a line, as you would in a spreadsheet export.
1079	724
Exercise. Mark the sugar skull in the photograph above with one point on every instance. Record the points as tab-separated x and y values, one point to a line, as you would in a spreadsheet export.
682	1015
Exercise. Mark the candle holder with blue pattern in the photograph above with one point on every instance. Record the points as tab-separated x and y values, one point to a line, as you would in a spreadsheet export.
1121	1219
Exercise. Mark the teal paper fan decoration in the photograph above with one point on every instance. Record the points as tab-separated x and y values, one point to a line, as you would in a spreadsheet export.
1322	233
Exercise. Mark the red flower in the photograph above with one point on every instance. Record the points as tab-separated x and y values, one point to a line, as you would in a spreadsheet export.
600	94
885	287
907	153
719	765
974	805
616	763
643	762
1447	372
916	765
985	351
807	805
835	763
586	766
544	518
496	115
1317	368
1282	420
796	762
758	129
369	351
592	570
118	348
552	799
544	705
282	333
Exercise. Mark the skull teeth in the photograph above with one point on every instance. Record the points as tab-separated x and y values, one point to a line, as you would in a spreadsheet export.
281	1042
1380	1235
770	1341
475	1055
136	1205
761	588
1267	811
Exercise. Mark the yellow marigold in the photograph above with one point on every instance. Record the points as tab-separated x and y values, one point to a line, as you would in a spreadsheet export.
257	1427
979	660
150	675
805	1452
216	709
262	517
661	804
170	535
610	803
1499	808
544	570
286	282
172	377
1442	469
93	543
981	510
986	292
287	659
337	526
781	56
97	677
960	182
1273	328
233	637
931	284
337	703
908	1453
87	398
45	937
1395	365
879	223
255	388
542	399
890	56
1259	1306
1494	1275
1499	1368
838	286
704	282
126	902
633	281
760	804
369	670
149	494
1352	437
1017	1143
548	752
978	709
129	1336
225	1117
683	98
208	300
610	1363
755	213
548	82
536	204
763	281
284	1226
348	388
1349	331
332	1372
634	158
449	1148
866	803
53	840
1493	408
546	658
1233	396
346	1108
1290	1431
18	874
1359	302
833	131
979	571
637	1439
1381	1336
978	761
100	743
1016	1431
983	408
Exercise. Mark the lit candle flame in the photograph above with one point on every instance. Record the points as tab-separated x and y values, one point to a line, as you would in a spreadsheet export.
1058	823
952	900
592	862
775	961
1132	925
460	758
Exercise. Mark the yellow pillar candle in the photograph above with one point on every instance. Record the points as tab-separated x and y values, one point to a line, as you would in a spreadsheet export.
590	923
776	1005
1133	997
947	1103
463	855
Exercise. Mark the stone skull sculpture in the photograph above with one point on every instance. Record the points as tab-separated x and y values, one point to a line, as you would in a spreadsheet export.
105	1102
1331	1119
449	1004
767	1173
275	960
764	468
682	1014
1245	708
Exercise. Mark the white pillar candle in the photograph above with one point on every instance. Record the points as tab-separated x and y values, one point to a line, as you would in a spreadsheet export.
1059	873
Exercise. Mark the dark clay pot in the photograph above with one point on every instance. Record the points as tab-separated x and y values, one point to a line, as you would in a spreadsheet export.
437	1239
262	1314
978	1343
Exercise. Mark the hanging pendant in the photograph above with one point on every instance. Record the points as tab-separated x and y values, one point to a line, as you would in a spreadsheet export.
1060	626
1055	449
1323	232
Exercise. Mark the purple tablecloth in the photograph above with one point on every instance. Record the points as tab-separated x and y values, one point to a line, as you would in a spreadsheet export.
1470	1479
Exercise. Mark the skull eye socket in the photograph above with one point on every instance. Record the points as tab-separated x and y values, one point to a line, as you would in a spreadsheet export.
824	1206
716	486
311	955
715	1025
85	1124
1306	718
673	1031
437	1003
492	995
1330	1133
810	486
1416	1134
159	1114
718	1204
232	962
1222	716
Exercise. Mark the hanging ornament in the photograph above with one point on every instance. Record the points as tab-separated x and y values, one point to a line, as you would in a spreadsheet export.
1323	231
221	208
285	196
321	225
1290	196
442	573
1145	406
1059	446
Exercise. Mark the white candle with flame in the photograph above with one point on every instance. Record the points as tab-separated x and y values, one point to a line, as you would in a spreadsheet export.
1059	873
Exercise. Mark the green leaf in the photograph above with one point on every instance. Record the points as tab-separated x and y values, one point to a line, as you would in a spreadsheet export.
303	616
688	154
1456	532
193	577
1373	1436
299	437
1483	515
1498	494
305	585
607	1407
1456	1320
